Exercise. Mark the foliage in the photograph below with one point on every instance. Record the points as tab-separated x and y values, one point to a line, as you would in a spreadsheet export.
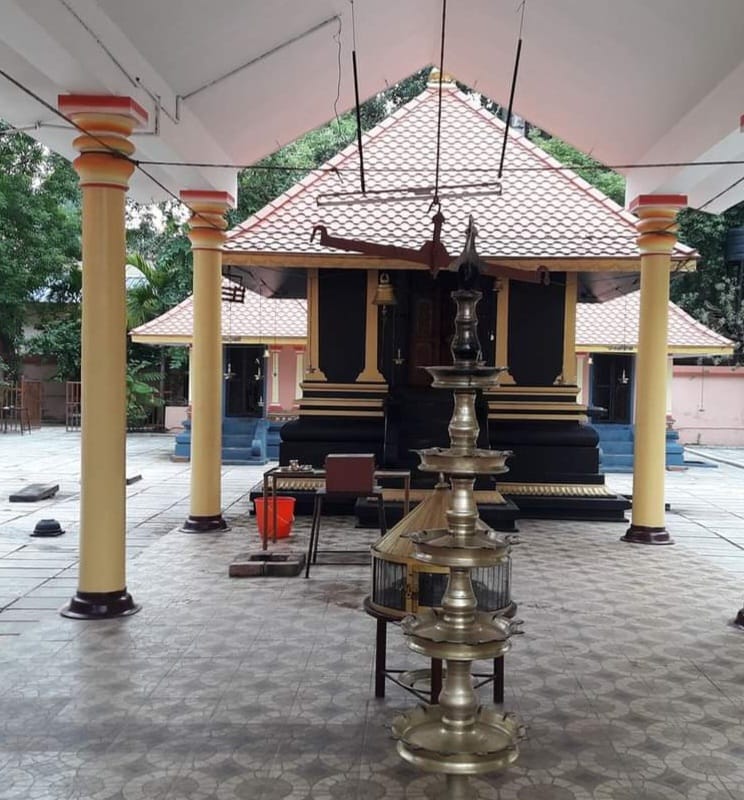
39	229
142	397
158	234
607	181
59	339
58	325
157	291
276	173
712	294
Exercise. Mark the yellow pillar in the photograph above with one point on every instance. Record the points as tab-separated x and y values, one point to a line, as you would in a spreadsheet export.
657	231
314	372
104	175
370	373
207	226
568	373
502	330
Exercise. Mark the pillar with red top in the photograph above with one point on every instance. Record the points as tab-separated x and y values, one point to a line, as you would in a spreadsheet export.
104	167
657	236
206	232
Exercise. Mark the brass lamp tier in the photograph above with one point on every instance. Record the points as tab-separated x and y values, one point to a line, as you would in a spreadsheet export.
488	744
455	461
432	634
485	548
454	377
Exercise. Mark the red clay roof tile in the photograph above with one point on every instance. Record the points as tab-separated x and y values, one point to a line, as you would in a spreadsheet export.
545	210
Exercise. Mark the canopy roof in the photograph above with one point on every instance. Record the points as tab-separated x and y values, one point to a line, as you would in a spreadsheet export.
631	82
545	215
608	327
613	327
256	320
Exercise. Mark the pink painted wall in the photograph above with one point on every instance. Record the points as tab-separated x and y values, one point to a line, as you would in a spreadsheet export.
708	405
287	381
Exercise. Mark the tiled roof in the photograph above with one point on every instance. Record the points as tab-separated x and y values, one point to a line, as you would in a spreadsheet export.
260	318
614	324
545	210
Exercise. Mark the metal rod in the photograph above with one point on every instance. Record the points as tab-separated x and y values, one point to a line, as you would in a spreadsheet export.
358	122
435	200
511	105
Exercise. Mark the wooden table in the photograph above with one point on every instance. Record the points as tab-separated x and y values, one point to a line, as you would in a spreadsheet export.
271	476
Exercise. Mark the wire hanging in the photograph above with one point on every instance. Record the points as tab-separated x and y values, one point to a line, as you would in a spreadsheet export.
435	201
511	92
356	98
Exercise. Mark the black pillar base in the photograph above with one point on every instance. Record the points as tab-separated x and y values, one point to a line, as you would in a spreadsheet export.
100	605
210	524
643	534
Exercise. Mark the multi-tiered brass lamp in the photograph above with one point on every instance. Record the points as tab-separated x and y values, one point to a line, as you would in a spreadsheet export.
458	737
402	583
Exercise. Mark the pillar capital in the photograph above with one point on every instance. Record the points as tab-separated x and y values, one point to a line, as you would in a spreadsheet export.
656	225
207	223
106	122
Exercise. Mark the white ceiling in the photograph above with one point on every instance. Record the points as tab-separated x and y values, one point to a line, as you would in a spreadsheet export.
637	81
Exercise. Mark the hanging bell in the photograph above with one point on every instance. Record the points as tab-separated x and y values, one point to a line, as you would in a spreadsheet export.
385	292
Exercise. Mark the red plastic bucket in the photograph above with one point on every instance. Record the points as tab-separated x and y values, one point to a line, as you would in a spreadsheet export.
284	516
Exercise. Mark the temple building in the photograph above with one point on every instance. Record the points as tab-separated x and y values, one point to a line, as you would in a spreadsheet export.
379	306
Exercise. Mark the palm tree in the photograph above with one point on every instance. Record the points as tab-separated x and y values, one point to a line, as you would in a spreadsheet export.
151	290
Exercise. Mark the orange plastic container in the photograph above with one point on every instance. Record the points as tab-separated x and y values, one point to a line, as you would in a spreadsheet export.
284	516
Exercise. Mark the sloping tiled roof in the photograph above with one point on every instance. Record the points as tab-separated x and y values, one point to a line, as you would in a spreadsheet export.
545	210
257	318
614	325
610	325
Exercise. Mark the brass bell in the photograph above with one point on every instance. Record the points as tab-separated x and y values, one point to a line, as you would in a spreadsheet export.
385	292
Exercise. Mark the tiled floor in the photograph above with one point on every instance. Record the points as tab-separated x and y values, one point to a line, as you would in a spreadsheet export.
628	674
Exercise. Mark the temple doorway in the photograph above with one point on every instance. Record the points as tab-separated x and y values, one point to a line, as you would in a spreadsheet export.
612	387
244	380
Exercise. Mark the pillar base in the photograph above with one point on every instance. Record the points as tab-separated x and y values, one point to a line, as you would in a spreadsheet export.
210	524
643	534
100	605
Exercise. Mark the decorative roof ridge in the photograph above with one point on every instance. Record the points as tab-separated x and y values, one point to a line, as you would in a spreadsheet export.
332	163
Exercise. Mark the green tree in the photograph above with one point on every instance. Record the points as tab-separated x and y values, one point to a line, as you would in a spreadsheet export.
606	180
58	339
154	293
713	293
273	175
160	288
39	230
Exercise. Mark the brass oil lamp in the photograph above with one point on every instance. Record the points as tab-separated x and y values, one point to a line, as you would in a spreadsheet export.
458	737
